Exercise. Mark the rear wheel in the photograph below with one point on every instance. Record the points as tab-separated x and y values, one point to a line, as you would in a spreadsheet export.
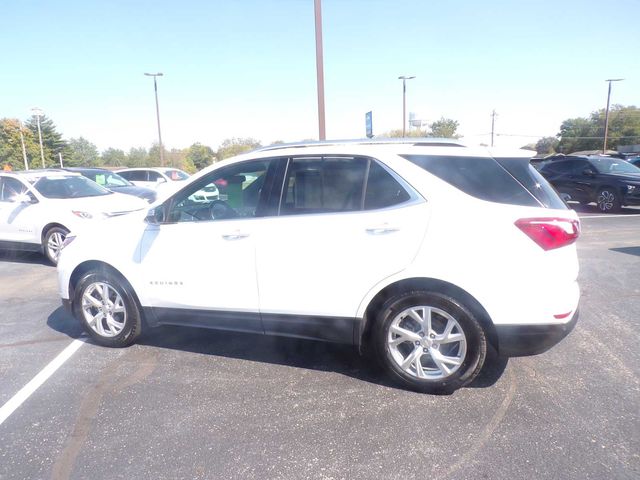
107	310
52	243
429	342
608	200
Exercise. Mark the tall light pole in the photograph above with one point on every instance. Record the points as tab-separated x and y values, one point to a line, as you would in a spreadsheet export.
24	149
322	134
38	113
404	102
606	115
155	88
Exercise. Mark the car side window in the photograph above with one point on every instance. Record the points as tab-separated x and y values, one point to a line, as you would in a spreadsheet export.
155	176
579	166
135	175
323	184
10	188
382	189
236	191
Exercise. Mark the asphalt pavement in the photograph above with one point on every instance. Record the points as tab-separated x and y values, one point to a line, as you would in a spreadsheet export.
188	403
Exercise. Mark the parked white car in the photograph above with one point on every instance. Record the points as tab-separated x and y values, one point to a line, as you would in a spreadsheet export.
40	207
164	180
425	252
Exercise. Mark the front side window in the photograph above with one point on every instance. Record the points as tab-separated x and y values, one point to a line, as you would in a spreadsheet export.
10	189
69	187
613	165
324	184
231	192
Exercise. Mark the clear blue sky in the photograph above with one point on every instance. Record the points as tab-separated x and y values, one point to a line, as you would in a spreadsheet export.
247	67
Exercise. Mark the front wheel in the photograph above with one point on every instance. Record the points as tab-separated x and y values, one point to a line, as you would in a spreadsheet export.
107	310
429	342
52	244
608	200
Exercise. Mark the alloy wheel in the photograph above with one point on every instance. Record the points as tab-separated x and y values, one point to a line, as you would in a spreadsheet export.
606	200
103	309
54	245
427	342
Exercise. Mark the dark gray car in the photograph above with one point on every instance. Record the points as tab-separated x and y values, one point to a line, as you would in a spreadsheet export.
115	182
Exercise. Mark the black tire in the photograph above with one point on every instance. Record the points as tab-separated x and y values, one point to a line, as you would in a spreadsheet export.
131	320
53	235
470	364
608	200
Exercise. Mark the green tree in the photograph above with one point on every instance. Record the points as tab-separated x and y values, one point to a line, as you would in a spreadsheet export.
235	146
138	157
199	156
113	157
444	128
11	146
546	145
82	153
578	134
52	141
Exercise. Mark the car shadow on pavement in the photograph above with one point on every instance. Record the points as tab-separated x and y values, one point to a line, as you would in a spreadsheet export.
61	321
629	250
294	352
34	258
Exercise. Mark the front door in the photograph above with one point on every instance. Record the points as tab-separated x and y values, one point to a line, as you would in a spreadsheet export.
198	264
17	219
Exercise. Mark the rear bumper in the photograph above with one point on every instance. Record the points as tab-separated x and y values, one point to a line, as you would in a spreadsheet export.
523	340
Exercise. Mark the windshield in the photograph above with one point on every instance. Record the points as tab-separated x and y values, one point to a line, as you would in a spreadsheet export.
109	180
613	165
69	187
176	175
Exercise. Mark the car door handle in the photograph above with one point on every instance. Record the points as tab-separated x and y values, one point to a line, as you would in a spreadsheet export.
235	236
381	230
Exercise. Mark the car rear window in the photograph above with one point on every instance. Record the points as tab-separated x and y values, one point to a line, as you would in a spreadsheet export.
481	177
533	181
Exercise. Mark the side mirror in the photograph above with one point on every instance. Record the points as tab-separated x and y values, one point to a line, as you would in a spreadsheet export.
156	215
26	198
160	180
589	172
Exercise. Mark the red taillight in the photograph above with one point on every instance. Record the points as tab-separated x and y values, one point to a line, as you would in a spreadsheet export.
550	233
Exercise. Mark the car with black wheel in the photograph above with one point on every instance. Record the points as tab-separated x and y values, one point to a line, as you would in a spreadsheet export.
39	208
115	183
423	253
609	182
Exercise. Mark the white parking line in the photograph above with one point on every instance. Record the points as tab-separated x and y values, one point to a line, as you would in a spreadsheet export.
611	216
25	392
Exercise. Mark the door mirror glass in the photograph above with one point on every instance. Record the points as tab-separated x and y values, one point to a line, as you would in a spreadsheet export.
25	198
156	215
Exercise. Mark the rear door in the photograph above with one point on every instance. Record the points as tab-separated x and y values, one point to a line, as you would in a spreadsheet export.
344	225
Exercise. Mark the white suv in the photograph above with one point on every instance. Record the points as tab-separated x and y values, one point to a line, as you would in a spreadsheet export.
38	208
426	251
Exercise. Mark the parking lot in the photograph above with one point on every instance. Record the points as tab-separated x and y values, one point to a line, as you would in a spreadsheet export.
187	403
